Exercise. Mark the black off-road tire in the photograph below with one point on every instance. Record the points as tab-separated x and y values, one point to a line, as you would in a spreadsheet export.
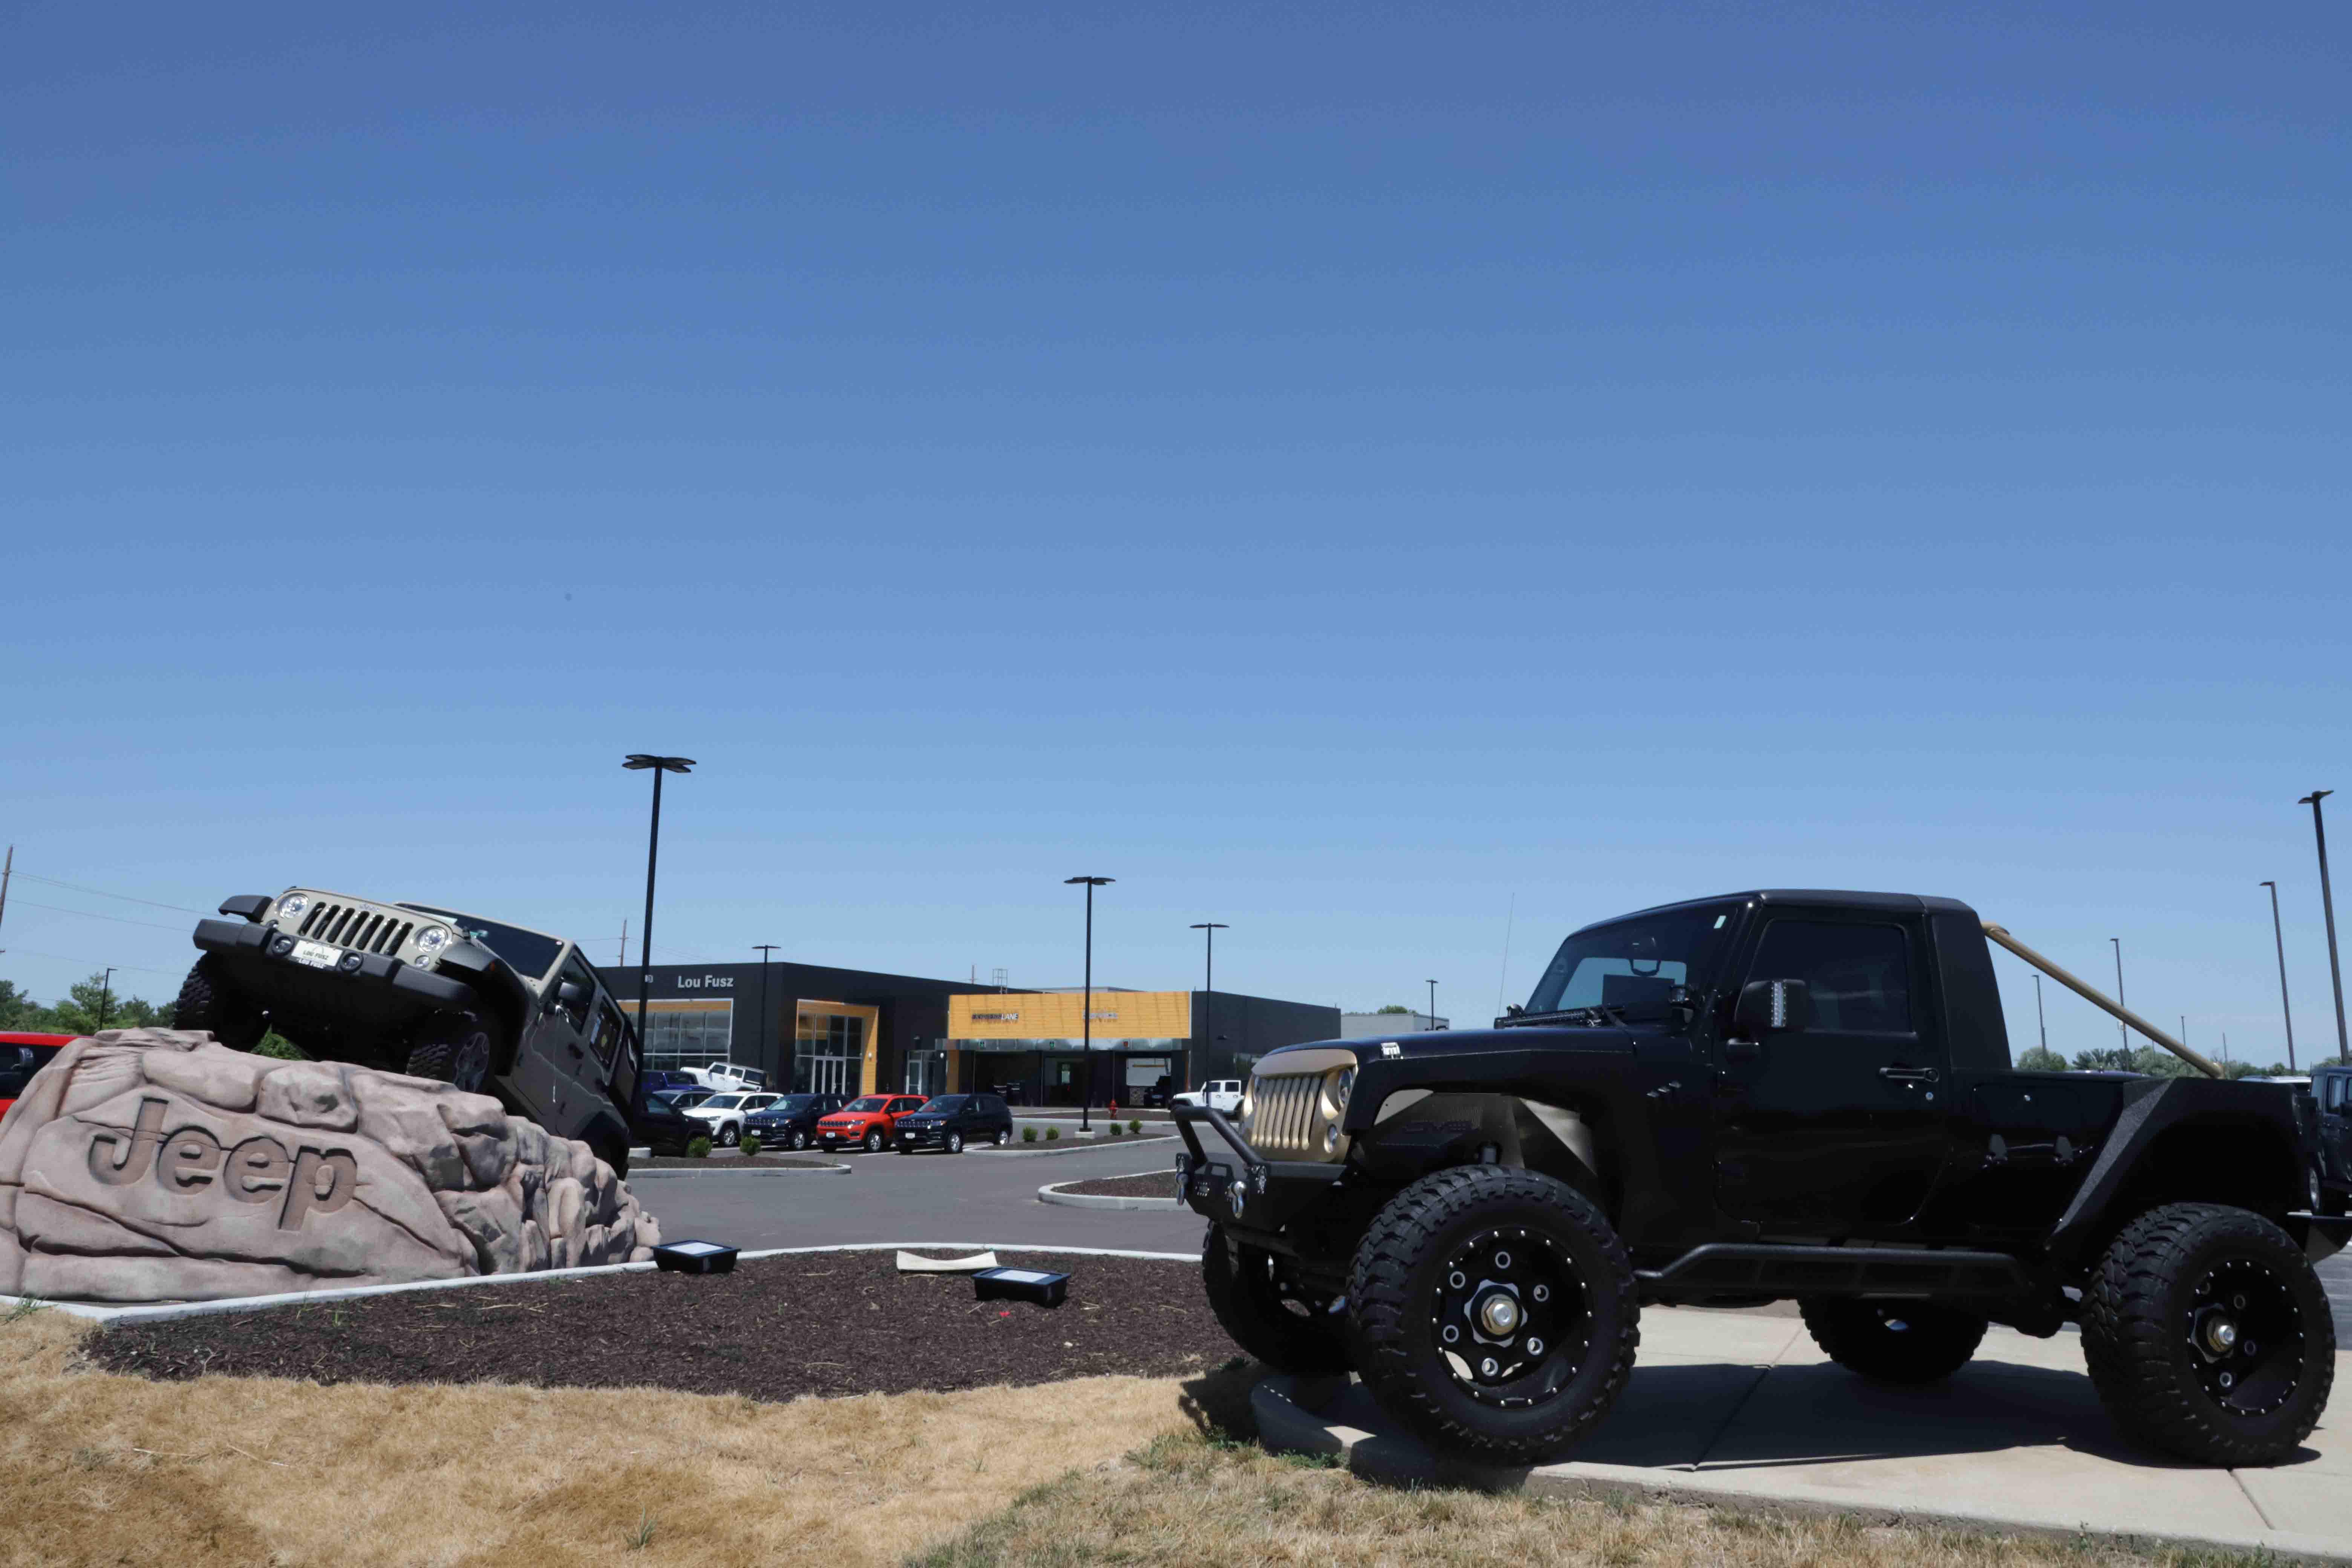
1426	1239
1301	1337
456	1048
211	1001
2142	1308
1893	1341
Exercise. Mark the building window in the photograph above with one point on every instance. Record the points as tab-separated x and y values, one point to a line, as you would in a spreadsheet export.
680	1035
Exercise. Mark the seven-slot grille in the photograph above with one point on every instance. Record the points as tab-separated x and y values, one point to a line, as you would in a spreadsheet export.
1286	1122
349	925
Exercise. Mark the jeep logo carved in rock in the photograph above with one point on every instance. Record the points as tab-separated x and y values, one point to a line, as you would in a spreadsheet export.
258	1171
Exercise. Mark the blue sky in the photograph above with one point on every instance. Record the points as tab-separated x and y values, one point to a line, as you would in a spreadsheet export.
1368	476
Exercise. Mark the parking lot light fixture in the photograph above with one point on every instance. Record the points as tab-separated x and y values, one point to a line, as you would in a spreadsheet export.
1087	1009
2278	939
644	761
2327	907
1432	1004
1208	929
767	951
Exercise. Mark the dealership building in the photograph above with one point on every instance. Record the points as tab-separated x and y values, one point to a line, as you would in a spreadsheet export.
814	1029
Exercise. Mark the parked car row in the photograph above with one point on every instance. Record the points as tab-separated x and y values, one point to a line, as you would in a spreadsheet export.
675	1117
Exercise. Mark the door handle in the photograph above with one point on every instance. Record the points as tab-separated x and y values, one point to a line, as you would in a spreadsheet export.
1899	1073
1741	1050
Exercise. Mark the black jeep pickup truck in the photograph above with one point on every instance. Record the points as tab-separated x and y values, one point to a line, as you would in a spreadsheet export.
1760	1097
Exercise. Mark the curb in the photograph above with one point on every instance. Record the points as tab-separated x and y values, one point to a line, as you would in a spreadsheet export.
1287	1422
1008	1152
165	1311
754	1171
1051	1193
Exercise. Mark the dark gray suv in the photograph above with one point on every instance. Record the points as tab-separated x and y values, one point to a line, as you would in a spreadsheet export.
953	1120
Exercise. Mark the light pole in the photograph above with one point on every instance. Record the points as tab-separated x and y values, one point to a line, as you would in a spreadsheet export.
767	951
2040	1022
105	998
1208	929
1086	1018
639	762
1433	1006
2328	904
2278	938
2123	1062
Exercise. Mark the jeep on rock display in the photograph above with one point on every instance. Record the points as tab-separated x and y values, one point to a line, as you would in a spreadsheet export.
1763	1096
490	1007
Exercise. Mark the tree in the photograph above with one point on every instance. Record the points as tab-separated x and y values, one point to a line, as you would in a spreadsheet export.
17	1010
2041	1059
85	1001
1391	1007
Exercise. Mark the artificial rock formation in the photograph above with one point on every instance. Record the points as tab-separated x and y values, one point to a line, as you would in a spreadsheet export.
156	1165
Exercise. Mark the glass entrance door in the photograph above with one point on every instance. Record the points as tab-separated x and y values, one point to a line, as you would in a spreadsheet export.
829	1051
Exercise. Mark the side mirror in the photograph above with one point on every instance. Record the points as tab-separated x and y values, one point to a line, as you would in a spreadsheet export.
570	994
1772	1007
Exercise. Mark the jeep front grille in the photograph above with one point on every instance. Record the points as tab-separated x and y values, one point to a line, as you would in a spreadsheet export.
350	925
1285	1121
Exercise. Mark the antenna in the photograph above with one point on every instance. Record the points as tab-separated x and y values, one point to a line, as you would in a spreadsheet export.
1504	983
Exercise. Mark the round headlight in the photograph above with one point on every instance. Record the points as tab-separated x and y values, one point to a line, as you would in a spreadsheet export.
293	907
431	939
1343	1086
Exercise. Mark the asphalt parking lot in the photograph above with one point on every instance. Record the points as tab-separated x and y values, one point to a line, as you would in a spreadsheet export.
972	1196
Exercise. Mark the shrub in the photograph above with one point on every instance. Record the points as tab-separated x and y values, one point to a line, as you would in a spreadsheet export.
1052	1133
1111	1127
1028	1135
750	1144
698	1148
1135	1127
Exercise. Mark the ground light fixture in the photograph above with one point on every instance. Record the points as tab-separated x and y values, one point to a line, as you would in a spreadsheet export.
1047	1290
1086	1013
694	1257
641	761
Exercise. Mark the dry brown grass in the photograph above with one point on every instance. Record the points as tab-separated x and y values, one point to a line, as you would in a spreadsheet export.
97	1468
1192	1501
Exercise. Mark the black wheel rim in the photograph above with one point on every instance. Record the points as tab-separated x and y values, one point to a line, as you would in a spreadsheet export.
2245	1336
1512	1318
472	1067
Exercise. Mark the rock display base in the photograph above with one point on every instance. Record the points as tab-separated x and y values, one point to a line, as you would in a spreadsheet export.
157	1165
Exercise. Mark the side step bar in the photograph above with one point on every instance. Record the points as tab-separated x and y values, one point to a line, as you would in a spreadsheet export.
1737	1269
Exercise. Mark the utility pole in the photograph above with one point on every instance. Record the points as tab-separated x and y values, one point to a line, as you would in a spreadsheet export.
1208	997
105	998
2123	1062
623	961
1432	1004
2040	1022
767	951
2278	937
1086	1022
2328	904
6	871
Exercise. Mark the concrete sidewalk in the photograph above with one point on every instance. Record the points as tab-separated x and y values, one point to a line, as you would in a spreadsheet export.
1741	1407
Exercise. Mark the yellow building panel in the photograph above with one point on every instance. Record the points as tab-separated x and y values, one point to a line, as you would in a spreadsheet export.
1060	1016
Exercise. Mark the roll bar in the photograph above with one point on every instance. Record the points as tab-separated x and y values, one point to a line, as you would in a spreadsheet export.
2114	1009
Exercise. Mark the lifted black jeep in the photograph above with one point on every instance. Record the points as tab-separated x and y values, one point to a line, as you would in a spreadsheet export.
1754	1098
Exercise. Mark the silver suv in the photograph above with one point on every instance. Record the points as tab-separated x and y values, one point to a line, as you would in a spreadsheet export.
490	1007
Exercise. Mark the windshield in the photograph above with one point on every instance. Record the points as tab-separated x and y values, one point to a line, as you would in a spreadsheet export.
794	1102
947	1103
871	1102
1633	966
527	952
722	1102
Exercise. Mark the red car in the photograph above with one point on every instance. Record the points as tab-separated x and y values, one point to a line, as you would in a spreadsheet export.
870	1121
22	1055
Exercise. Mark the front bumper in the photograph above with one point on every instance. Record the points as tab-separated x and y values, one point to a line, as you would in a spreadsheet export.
926	1137
829	1136
369	985
1231	1184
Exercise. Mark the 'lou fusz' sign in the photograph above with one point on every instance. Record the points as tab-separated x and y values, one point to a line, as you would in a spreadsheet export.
191	1160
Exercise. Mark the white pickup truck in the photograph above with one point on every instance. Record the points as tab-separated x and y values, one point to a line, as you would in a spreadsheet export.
1219	1094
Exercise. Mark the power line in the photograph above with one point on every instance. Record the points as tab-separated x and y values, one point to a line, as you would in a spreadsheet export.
89	915
102	893
62	958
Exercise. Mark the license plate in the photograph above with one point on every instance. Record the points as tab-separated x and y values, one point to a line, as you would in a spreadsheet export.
318	954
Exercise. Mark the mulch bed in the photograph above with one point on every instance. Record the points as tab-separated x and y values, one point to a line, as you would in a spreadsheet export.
1150	1184
730	1162
816	1323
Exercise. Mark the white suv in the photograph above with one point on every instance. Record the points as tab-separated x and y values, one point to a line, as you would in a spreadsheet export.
725	1113
1220	1094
